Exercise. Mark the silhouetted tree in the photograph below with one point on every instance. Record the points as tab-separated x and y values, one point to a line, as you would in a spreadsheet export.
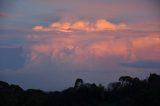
126	80
78	83
127	92
154	78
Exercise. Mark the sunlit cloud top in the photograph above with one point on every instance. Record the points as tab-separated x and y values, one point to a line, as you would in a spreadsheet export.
80	25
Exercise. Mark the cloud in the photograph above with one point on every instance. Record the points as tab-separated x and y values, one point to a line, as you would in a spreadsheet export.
61	51
80	25
38	28
106	25
146	48
81	49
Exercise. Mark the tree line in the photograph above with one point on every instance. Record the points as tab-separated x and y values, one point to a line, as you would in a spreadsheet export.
127	91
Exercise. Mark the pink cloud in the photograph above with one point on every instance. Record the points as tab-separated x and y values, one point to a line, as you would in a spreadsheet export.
38	28
146	48
78	49
80	25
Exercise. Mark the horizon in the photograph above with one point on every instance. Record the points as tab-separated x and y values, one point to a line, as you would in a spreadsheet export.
83	83
49	44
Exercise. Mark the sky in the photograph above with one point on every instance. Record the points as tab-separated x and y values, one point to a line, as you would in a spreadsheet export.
48	44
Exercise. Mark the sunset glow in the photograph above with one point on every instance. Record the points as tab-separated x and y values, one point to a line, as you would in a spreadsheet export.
56	41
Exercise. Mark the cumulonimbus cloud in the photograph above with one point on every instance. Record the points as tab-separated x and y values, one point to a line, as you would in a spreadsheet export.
79	49
80	25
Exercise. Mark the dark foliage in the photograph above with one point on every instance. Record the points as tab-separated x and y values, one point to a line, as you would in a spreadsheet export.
127	91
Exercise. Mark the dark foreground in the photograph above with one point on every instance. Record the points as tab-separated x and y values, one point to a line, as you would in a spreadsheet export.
126	92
